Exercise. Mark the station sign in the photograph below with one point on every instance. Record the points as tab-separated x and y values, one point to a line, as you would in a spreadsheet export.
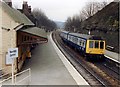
13	52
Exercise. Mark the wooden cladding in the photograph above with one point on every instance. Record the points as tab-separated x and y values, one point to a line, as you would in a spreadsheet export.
26	38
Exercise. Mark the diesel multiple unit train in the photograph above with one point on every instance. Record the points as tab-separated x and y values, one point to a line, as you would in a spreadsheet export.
88	45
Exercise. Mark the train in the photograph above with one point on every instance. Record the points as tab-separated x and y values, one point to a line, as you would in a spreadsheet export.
89	46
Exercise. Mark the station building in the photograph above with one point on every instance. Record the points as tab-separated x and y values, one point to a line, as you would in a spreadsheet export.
16	30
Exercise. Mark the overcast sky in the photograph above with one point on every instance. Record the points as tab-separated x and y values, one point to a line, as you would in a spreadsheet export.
57	10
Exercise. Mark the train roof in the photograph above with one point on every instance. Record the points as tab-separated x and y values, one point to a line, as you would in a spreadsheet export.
65	31
85	36
81	35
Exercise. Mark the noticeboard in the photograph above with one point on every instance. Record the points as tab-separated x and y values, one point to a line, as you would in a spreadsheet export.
8	60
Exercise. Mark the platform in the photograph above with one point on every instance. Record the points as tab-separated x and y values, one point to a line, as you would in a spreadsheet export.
48	68
112	55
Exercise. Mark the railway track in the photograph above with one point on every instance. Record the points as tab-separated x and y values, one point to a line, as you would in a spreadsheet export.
110	68
84	67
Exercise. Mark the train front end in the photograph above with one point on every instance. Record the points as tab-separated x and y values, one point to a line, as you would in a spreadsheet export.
95	48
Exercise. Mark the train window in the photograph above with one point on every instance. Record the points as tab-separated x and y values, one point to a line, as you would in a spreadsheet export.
76	40
70	38
83	43
101	45
91	44
96	44
80	42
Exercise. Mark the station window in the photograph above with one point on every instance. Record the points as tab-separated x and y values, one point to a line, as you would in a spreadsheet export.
22	38
101	45
31	38
96	44
25	38
91	44
28	38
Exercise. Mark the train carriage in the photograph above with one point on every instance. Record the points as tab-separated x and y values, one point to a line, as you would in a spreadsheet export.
64	35
88	45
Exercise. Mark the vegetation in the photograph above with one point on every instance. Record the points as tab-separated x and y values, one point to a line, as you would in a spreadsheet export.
75	23
42	20
101	19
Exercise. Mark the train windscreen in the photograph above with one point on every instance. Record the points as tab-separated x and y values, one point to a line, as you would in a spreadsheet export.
101	45
96	44
91	44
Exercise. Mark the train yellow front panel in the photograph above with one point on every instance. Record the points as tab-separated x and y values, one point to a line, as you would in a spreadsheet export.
94	50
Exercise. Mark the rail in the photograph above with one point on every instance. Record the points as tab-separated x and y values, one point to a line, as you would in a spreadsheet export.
2	72
15	76
4	80
3	75
29	76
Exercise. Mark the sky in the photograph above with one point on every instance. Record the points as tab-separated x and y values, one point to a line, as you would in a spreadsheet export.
56	10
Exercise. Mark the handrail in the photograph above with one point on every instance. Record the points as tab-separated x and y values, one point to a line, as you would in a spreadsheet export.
29	76
22	80
5	80
15	76
4	75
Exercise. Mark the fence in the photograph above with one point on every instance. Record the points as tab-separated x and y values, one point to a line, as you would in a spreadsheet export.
18	75
17	78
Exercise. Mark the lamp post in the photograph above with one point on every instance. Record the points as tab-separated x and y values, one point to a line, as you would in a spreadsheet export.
89	32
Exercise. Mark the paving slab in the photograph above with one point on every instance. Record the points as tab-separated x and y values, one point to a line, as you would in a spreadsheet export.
112	55
47	68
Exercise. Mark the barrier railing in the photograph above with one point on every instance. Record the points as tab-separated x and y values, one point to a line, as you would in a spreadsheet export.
3	74
15	78
4	80
27	77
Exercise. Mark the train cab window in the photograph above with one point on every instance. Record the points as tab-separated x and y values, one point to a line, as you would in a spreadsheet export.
96	44
101	45
91	44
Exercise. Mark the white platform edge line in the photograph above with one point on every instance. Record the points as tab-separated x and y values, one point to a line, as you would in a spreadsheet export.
74	73
112	59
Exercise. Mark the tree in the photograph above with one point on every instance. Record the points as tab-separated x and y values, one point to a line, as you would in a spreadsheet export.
91	8
73	23
42	20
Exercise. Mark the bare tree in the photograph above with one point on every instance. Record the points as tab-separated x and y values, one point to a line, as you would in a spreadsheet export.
43	21
75	23
91	8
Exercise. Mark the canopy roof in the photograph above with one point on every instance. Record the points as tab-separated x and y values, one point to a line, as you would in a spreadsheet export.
35	31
